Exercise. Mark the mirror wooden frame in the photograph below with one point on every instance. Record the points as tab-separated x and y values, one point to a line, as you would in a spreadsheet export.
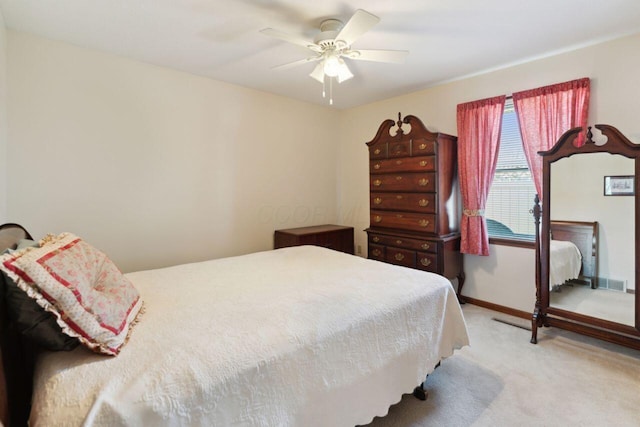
543	314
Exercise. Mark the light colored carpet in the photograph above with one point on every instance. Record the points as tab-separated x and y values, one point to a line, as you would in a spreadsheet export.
503	380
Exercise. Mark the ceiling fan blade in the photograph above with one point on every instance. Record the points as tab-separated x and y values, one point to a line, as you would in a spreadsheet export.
378	55
291	39
358	24
296	63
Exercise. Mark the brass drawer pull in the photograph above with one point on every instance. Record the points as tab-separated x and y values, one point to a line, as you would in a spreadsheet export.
375	239
399	197
399	257
423	223
398	162
377	252
425	246
422	146
424	163
377	201
423	202
398	242
377	183
376	151
376	166
423	182
425	261
377	218
398	178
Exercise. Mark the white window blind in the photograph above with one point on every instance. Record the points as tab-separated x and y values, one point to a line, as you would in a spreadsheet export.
512	191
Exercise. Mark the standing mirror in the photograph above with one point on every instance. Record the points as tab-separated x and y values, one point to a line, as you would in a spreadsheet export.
586	270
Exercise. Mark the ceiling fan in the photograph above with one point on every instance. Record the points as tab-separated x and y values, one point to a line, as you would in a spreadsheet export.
333	44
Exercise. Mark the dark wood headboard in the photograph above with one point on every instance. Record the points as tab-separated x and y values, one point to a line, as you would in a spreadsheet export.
18	356
585	236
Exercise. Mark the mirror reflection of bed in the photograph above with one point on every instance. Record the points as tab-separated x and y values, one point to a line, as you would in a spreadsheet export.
602	229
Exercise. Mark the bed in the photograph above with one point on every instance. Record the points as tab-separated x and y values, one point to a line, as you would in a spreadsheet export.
573	253
295	336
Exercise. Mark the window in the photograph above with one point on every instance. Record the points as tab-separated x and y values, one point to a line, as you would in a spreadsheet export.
512	191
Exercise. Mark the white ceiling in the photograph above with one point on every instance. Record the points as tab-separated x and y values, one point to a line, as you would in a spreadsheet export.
447	39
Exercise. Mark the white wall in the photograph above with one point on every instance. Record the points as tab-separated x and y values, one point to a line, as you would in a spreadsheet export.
3	120
507	276
158	167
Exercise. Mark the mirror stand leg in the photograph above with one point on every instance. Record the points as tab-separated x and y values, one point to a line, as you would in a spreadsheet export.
534	326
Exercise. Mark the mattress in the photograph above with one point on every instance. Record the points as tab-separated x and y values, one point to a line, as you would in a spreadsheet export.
290	337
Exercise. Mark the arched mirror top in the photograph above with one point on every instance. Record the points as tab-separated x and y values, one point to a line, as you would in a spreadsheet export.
611	141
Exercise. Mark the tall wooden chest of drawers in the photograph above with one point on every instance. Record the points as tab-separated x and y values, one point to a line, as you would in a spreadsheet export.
413	208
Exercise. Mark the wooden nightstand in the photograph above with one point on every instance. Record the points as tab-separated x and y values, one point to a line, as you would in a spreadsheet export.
337	237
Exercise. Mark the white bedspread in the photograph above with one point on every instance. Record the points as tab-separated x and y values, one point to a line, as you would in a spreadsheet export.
565	262
301	336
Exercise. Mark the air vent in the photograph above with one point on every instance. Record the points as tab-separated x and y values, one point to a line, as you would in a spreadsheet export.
612	284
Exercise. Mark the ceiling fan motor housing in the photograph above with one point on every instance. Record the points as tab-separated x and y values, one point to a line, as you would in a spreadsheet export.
329	30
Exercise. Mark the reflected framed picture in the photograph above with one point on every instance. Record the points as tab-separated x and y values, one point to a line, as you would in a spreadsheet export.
619	185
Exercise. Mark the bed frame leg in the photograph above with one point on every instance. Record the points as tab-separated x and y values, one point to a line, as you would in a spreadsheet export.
420	393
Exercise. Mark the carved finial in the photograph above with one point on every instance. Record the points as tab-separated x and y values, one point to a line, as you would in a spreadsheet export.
399	123
589	136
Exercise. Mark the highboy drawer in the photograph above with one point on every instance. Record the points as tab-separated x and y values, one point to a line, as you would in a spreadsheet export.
420	147
427	261
403	242
401	257
425	223
408	164
425	182
425	202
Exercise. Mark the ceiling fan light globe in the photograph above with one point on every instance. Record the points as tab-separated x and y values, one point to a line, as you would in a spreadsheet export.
331	66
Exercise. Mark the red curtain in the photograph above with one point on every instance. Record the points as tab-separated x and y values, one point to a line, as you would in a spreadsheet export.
479	125
544	114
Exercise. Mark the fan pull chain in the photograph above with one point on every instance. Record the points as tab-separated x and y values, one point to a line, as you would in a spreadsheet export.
330	90
324	93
